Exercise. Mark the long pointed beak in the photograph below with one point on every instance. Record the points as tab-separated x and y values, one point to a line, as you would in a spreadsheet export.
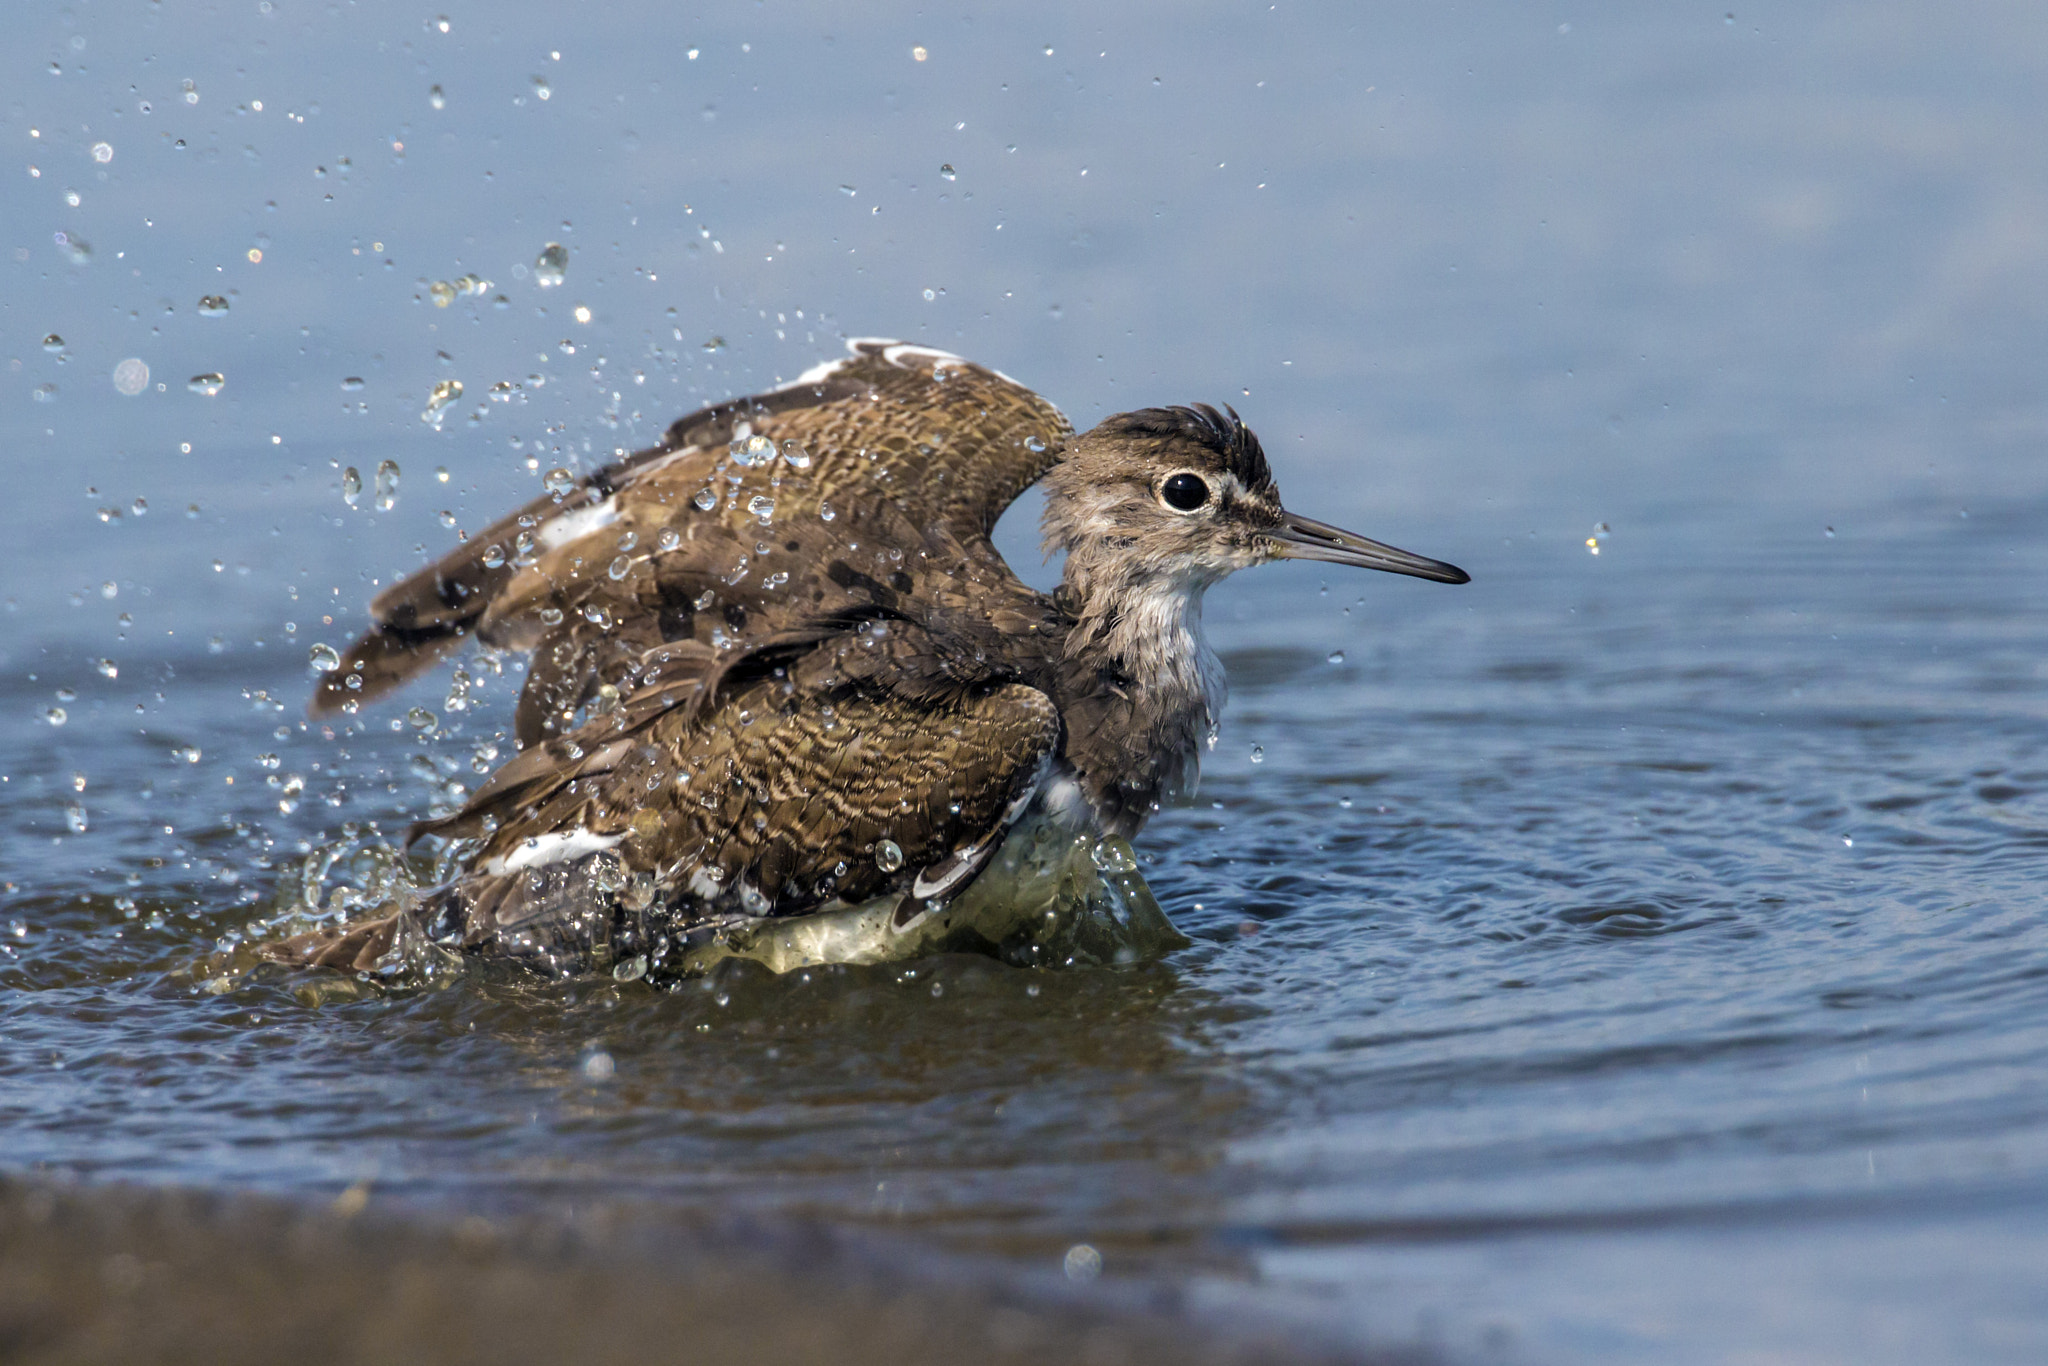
1304	538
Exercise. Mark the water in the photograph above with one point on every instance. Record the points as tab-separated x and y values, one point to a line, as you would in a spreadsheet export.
1632	955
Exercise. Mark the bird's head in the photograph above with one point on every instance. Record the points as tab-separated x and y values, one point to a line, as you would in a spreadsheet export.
1182	497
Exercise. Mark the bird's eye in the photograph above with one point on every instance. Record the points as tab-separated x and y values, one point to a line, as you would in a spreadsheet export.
1184	492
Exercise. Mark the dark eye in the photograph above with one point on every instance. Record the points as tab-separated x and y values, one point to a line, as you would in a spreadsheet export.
1184	492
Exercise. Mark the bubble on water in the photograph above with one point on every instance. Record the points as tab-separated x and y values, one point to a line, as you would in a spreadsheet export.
207	384
1258	754
351	485
621	567
762	506
930	295
888	855
558	480
76	250
419	718
437	97
1336	656
131	376
102	152
795	456
825	512
212	305
947	172
56	716
752	450
108	669
1082	1262
551	265
74	819
442	293
324	658
353	384
53	343
439	397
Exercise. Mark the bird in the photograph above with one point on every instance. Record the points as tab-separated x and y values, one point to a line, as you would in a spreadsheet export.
787	701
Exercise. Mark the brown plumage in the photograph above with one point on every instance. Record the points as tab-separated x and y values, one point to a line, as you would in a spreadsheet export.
779	667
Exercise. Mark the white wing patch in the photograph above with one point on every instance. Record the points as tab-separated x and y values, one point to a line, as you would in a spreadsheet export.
576	523
538	851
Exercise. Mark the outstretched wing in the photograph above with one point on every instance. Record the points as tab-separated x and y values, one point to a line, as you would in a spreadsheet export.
837	492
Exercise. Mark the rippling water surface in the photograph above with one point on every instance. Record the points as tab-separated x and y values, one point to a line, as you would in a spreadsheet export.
1632	955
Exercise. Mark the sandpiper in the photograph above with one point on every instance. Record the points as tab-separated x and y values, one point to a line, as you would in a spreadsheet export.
786	700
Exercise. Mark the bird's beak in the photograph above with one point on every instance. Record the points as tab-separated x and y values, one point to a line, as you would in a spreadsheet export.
1304	538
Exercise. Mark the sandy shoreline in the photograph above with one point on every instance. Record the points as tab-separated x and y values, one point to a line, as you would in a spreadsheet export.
131	1274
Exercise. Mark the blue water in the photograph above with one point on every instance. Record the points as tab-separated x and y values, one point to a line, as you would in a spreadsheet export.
1627	956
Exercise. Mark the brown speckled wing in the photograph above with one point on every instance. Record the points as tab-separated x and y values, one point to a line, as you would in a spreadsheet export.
870	479
774	800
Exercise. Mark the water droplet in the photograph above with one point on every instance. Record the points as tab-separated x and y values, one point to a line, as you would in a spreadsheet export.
102	152
419	718
437	97
948	172
1035	444
825	512
45	393
848	191
212	305
131	377
1336	656
668	540
752	450
918	54
1829	532
541	88
621	567
56	716
929	295
442	293
191	93
1082	1262
351	485
888	855
715	344
551	265
1258	754
76	250
387	485
324	658
189	753
208	384
53	343
438	398
558	480
494	556
762	506
352	385
706	499
795	456
108	669
599	1066
74	819
775	580
1600	530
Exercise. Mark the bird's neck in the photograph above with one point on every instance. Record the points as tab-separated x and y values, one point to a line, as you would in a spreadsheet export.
1147	620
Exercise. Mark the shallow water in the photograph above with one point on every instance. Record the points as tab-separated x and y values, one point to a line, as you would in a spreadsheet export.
1628	953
